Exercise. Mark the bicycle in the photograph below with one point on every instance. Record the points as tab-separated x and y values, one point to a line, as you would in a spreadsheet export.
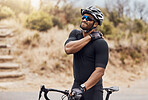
65	93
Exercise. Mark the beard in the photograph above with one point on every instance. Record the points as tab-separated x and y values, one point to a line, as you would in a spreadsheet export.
84	26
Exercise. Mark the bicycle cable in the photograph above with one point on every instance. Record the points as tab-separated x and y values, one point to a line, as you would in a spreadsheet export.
63	97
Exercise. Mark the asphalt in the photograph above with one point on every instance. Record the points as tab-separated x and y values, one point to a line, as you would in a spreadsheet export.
135	92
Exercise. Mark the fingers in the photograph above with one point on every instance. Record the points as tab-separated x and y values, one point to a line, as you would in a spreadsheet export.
70	94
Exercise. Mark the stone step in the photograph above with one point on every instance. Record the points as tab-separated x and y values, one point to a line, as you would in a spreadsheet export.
14	74
6	57
6	51
6	35
9	66
5	46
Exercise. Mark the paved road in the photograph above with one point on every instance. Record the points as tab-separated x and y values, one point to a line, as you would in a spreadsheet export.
137	92
26	96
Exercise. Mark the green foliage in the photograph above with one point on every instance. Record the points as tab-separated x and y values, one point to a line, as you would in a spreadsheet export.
6	12
138	26
107	27
135	54
56	22
114	18
40	21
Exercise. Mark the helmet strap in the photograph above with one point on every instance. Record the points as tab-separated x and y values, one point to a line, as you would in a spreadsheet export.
92	27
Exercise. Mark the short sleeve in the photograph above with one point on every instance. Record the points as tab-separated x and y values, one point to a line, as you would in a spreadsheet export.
101	53
72	36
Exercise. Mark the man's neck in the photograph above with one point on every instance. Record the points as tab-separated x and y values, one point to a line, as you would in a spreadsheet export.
85	34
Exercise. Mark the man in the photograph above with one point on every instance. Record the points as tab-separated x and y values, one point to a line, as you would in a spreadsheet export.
90	58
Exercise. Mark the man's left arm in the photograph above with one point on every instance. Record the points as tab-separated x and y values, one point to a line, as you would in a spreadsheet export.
94	78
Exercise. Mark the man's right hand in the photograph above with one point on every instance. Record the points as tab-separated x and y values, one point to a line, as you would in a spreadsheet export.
95	35
76	93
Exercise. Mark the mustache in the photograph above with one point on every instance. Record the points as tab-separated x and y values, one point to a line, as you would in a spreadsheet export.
84	22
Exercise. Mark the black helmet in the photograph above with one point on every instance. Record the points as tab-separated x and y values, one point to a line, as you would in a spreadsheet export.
95	12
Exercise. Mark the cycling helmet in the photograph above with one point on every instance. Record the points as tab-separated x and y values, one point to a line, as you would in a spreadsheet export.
95	12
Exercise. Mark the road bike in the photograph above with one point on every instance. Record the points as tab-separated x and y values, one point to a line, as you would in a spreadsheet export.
65	93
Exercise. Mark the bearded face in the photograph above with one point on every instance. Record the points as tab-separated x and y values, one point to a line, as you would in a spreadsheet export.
87	22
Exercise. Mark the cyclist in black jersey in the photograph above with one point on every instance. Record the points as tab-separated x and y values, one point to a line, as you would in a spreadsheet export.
90	56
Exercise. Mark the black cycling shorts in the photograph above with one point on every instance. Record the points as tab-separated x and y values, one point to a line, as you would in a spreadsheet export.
94	93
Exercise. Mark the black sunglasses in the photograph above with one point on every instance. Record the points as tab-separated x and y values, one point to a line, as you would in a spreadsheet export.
87	18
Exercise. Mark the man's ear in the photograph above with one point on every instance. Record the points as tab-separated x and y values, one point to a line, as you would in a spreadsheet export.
95	24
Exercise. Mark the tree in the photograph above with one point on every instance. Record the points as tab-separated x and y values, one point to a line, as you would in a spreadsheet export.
116	10
140	10
119	6
59	1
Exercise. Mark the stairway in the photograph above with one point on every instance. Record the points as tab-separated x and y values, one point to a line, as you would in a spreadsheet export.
9	69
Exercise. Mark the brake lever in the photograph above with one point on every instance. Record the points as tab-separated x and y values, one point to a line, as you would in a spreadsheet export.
45	93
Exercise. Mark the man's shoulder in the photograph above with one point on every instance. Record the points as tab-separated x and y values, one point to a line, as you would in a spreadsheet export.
75	31
100	41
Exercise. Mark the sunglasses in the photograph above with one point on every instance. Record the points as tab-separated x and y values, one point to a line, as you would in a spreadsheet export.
87	18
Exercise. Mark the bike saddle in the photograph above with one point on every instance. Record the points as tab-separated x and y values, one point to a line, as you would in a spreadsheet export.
112	89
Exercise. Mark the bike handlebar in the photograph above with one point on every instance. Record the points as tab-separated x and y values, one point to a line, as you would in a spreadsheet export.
66	92
43	89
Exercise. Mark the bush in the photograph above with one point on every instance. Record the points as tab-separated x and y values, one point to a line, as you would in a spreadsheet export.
106	28
135	54
57	22
114	18
40	21
6	12
138	26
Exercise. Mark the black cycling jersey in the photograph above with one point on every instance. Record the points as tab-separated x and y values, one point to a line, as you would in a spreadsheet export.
92	55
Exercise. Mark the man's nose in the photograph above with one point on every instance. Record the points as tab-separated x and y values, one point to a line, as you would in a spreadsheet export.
84	19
